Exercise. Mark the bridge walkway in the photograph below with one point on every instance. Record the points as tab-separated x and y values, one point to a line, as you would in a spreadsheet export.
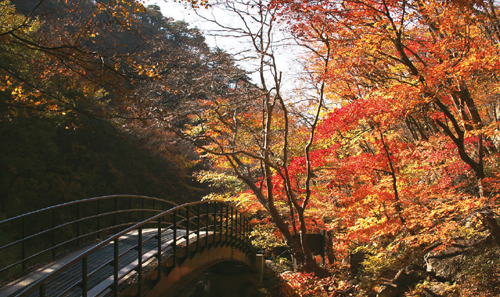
105	254
134	262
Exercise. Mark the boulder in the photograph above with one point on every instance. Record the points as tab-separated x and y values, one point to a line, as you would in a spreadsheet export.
404	280
436	289
388	290
445	264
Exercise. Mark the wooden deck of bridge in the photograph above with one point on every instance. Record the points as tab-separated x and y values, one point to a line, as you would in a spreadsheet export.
105	277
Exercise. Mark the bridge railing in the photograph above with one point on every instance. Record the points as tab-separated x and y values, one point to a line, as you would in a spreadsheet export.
178	234
38	236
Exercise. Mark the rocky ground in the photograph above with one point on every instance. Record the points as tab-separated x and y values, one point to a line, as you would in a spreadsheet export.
234	280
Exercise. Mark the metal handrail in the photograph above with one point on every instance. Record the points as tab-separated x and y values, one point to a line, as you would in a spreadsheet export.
209	218
113	208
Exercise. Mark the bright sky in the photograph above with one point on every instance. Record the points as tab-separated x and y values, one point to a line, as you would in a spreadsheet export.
286	59
181	12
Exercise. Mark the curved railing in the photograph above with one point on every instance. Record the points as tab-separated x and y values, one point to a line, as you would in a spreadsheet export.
170	236
42	235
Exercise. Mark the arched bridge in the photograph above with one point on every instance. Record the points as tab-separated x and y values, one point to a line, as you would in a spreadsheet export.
118	245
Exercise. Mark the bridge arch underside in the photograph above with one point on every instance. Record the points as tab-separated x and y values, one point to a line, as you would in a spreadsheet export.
178	272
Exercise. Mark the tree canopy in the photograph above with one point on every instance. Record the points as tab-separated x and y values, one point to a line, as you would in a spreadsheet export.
391	142
79	82
397	146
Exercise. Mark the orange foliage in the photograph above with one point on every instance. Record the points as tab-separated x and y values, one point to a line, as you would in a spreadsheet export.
409	146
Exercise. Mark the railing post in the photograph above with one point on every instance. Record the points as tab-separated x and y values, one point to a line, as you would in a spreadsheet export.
248	232
159	248
23	245
42	290
221	220
84	277
241	227
53	234
175	235
99	218
243	234
236	217
244	227
236	225
207	224
227	222
116	215
198	229
115	267
215	221
232	223
78	217
139	259
187	230
242	220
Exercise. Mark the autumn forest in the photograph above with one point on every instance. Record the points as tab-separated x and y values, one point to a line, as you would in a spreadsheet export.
387	137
